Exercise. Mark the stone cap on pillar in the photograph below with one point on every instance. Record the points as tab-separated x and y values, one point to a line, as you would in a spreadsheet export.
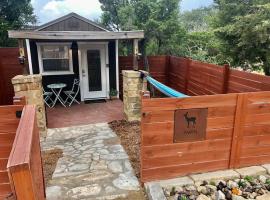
19	79
133	74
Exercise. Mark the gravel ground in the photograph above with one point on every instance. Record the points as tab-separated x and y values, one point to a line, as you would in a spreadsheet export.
129	133
246	188
49	159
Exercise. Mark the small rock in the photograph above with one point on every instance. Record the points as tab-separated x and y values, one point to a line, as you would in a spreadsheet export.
236	197
232	184
202	189
268	187
263	197
203	197
252	195
179	189
204	183
211	188
220	195
249	189
221	185
245	195
190	188
228	195
260	192
262	179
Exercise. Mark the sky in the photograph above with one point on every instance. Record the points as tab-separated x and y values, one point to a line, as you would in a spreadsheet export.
47	10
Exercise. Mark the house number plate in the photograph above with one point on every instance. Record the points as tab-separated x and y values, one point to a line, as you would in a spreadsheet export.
190	124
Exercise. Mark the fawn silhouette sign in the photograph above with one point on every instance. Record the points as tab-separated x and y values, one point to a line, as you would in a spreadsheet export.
190	124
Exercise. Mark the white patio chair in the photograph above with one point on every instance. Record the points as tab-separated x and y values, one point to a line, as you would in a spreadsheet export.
73	93
47	97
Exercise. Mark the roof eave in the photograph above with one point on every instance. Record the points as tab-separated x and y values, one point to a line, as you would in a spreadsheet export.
75	35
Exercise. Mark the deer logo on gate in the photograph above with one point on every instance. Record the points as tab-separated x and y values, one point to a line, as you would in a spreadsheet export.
190	120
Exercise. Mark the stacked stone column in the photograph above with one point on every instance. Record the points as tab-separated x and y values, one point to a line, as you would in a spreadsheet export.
31	87
133	85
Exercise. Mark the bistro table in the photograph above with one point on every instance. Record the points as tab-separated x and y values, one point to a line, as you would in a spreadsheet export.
57	89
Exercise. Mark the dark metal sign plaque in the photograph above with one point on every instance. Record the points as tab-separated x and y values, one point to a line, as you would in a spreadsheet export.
190	124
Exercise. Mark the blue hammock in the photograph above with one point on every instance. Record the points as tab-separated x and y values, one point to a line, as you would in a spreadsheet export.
165	89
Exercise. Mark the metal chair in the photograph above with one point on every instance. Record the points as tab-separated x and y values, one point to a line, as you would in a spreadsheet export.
47	97
73	93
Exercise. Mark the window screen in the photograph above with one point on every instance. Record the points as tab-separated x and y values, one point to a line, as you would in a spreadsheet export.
55	58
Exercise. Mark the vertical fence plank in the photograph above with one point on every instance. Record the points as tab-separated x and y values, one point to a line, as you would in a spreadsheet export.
226	74
187	75
237	138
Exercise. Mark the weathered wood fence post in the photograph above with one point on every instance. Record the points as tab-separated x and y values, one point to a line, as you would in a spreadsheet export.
237	137
226	76
187	75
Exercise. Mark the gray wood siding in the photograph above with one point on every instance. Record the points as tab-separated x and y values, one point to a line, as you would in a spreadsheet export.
72	24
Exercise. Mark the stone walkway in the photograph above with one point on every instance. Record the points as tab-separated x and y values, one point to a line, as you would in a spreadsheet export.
94	164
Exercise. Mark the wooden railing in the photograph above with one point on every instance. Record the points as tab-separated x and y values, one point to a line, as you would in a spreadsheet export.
25	164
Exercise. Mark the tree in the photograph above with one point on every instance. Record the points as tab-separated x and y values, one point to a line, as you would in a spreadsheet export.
14	14
244	28
158	18
197	20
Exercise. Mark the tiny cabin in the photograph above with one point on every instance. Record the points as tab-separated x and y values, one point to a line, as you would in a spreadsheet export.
73	47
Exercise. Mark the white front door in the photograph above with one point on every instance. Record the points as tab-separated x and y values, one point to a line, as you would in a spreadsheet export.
93	71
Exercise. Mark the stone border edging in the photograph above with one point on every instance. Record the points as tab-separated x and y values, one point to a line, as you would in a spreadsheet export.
154	189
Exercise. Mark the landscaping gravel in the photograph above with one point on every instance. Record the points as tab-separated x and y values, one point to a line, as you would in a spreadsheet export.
247	187
49	159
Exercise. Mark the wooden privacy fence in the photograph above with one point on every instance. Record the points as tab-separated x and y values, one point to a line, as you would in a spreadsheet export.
157	67
197	78
21	175
237	135
9	67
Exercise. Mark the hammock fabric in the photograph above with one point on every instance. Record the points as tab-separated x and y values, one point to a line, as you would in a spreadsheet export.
165	89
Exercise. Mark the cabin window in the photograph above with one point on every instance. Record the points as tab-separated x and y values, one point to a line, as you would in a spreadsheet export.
55	59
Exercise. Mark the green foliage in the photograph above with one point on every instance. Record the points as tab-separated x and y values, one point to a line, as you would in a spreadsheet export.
232	31
173	191
248	178
14	14
158	18
268	181
243	27
113	92
197	20
242	184
212	183
183	198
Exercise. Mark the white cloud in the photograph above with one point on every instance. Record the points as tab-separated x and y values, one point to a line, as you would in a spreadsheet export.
57	8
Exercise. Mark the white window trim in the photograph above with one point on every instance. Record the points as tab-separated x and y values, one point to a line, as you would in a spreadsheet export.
41	70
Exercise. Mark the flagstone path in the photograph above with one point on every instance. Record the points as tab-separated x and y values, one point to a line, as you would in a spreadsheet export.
94	164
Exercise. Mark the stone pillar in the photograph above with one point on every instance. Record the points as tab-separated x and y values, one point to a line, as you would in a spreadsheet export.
30	86
133	84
